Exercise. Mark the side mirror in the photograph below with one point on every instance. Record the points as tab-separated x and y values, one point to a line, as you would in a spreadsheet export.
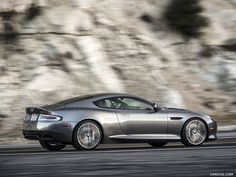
155	107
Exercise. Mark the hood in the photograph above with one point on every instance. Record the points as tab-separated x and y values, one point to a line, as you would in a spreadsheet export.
186	111
178	110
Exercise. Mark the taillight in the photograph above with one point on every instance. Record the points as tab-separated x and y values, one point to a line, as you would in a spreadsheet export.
51	118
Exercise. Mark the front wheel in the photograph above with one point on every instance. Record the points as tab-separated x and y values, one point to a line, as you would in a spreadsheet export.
157	144
194	132
51	146
87	135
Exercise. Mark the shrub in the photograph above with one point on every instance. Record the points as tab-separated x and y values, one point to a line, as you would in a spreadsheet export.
183	16
9	33
33	11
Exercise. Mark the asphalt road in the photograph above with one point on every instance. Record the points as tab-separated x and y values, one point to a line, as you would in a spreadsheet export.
212	159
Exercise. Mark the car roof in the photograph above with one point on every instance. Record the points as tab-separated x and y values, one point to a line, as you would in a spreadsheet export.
91	97
87	100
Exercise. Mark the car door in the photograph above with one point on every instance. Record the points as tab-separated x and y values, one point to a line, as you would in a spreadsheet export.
136	116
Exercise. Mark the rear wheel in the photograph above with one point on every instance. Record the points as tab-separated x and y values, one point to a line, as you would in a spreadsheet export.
51	146
158	144
87	135
194	132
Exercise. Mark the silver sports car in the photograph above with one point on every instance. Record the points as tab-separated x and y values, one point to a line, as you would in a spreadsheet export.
87	121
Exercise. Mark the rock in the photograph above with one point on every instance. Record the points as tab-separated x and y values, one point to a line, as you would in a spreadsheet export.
79	47
99	63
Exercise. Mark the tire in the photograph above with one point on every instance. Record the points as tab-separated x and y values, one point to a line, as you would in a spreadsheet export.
194	132
87	135
51	146
158	144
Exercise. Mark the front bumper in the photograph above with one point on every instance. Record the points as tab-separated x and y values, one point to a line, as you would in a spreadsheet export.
212	131
56	131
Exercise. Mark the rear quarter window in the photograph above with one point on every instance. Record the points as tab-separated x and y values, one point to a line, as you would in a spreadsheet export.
104	103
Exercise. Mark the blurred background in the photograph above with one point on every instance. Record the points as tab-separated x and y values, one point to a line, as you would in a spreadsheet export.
177	53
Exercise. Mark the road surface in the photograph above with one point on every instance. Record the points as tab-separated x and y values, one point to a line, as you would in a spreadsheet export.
212	159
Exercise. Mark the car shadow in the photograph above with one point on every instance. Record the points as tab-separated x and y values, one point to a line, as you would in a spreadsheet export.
113	147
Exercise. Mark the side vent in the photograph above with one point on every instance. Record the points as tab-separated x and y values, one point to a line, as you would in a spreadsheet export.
176	118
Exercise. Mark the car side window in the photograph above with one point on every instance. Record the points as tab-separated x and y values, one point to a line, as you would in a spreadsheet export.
104	103
130	103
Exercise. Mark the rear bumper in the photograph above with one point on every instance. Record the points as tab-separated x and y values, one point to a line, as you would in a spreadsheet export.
48	131
45	135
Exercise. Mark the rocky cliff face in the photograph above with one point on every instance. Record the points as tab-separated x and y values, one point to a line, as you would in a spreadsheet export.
56	49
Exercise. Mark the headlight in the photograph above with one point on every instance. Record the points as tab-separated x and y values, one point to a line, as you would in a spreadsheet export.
51	118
